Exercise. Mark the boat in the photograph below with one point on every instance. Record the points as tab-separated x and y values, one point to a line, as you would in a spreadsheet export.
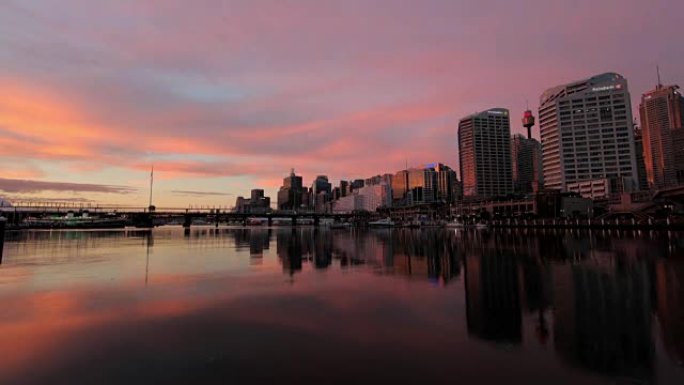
255	221
70	221
385	222
456	224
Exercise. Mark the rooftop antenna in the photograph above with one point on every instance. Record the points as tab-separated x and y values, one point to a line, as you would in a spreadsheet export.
660	84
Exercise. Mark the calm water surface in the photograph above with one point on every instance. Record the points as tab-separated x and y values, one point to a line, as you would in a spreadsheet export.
316	306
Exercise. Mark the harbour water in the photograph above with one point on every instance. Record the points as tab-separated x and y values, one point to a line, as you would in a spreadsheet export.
308	305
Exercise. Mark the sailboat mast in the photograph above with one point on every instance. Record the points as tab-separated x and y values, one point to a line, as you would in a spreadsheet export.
151	183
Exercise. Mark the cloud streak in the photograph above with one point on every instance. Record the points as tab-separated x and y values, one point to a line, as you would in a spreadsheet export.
32	186
199	193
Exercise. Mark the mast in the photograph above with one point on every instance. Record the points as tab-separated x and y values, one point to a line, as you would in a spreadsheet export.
660	84
151	184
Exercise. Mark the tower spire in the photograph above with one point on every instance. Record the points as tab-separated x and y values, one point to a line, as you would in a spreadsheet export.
660	84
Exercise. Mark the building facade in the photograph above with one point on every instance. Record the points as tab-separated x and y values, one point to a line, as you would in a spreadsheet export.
256	204
447	189
662	125
639	154
586	133
367	198
291	194
526	164
485	153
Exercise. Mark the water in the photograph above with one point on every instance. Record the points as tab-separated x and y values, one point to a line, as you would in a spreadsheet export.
315	306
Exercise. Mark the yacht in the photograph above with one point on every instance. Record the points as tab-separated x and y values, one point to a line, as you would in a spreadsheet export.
385	222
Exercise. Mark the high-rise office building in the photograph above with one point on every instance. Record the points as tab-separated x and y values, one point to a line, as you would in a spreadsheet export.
400	186
257	203
422	182
433	183
484	143
446	180
662	125
256	194
291	193
586	134
639	154
321	193
526	164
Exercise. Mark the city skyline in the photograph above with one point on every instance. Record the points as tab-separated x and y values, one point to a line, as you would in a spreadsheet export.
226	97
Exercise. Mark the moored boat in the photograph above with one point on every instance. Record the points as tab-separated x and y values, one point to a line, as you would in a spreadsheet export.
385	222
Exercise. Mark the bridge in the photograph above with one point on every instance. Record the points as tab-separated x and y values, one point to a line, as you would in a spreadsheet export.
146	217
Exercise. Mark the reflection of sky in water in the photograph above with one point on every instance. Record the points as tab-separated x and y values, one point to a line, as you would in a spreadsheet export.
337	307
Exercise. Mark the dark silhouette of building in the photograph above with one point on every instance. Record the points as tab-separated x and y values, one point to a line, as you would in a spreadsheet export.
526	164
640	162
291	193
257	203
320	194
289	247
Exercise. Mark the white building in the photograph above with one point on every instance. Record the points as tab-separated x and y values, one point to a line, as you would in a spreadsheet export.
586	132
368	198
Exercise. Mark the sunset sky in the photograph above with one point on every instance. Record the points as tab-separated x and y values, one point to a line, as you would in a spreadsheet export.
223	96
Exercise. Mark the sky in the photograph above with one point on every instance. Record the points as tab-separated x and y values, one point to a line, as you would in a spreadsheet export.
225	96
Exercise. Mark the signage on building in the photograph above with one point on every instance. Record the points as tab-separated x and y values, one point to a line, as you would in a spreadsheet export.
607	88
492	112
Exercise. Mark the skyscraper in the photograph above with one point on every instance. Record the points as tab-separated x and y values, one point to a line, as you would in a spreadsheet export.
400	186
586	134
422	184
484	143
446	181
290	194
639	154
662	125
321	192
526	164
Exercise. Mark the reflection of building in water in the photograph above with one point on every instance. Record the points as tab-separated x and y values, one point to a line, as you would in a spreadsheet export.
425	254
259	241
602	318
492	297
322	250
290	250
669	277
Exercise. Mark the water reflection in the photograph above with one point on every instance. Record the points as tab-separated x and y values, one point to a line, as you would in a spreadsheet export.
572	306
